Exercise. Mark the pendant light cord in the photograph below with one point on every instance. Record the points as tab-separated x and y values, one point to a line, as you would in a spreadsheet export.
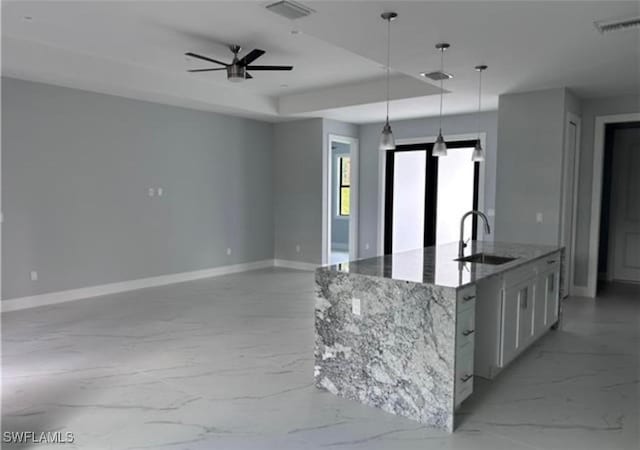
388	61
479	103
441	84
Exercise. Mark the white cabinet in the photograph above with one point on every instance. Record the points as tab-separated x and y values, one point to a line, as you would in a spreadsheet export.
517	319
548	287
513	310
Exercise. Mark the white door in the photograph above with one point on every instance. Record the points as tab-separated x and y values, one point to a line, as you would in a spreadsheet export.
625	198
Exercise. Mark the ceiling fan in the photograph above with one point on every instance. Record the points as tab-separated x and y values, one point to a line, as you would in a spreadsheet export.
237	69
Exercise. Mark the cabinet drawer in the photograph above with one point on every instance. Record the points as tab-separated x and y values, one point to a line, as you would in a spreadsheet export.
465	328
466	298
464	374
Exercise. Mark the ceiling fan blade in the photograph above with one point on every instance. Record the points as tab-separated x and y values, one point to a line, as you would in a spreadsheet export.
206	70
204	58
251	57
269	67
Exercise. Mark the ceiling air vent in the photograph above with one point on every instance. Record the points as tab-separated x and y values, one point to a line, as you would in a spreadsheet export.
289	9
437	75
606	26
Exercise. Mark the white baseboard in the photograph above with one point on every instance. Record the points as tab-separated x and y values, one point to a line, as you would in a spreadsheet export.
580	291
114	288
298	265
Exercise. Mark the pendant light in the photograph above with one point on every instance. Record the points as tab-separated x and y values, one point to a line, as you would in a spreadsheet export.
387	142
478	152
440	146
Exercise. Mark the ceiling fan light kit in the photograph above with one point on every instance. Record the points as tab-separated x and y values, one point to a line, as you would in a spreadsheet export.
237	70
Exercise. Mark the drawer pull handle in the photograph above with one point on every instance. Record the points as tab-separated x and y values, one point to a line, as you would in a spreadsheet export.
466	298
551	261
466	378
468	332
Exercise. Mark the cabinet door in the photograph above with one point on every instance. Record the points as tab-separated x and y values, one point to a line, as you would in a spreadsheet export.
525	314
540	307
509	326
517	320
551	296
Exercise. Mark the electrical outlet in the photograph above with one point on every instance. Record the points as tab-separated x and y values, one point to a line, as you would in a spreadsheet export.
356	306
228	251
297	248
366	246
33	275
151	192
539	217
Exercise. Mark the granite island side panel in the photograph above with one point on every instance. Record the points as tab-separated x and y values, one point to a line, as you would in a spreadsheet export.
397	355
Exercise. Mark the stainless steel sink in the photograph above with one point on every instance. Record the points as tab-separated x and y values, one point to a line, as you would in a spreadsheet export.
485	258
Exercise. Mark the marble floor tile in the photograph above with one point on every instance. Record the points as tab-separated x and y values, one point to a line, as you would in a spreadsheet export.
227	363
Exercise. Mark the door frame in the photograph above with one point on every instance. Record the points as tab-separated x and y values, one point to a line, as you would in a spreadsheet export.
596	196
571	244
327	207
382	165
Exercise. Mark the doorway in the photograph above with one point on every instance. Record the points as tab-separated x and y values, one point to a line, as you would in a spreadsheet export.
425	196
619	244
599	201
341	200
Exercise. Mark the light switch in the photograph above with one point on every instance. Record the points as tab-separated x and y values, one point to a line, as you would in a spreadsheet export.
160	191
33	275
298	248
539	217
355	306
228	251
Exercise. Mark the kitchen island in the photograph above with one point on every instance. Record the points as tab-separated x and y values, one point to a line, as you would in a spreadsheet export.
398	331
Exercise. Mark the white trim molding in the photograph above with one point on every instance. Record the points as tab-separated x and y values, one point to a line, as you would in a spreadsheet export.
327	207
52	298
596	193
382	163
570	193
296	265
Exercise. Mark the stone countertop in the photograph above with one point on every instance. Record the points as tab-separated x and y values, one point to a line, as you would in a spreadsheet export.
437	265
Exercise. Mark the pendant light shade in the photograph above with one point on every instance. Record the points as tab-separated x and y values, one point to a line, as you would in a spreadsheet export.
387	142
440	146
478	151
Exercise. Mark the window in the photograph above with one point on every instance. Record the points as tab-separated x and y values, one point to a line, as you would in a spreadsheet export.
344	185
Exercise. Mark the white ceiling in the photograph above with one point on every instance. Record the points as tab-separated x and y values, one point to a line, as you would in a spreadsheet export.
136	49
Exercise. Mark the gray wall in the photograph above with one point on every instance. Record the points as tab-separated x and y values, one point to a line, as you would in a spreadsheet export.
590	110
529	170
76	167
407	129
298	190
298	185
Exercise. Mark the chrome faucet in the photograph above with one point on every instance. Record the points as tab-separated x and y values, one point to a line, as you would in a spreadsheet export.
462	244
